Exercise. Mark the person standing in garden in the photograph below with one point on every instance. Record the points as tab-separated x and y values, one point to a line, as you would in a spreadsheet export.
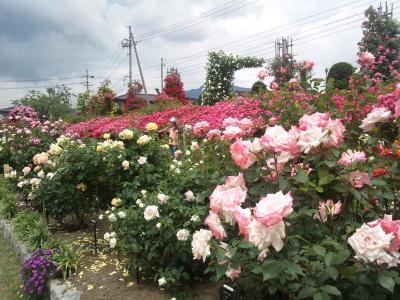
173	137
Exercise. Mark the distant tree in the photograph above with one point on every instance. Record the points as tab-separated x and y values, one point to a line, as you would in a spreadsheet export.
258	88
133	101
55	103
83	101
283	69
173	86
381	38
102	102
341	73
221	70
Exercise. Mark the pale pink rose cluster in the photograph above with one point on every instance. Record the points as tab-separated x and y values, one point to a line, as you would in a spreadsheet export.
350	156
41	158
201	128
377	242
366	59
313	132
358	179
262	225
235	128
378	114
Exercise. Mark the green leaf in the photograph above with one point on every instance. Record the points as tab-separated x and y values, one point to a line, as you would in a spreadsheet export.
306	292
330	289
386	281
321	296
301	176
283	183
340	257
325	179
272	270
319	250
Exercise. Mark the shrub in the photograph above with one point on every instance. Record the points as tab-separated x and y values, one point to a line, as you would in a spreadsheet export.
8	200
258	88
30	227
341	73
66	260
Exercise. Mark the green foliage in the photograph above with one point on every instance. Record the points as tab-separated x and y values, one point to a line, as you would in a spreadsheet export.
82	105
159	106
66	259
341	73
102	102
31	228
52	105
258	88
8	200
221	69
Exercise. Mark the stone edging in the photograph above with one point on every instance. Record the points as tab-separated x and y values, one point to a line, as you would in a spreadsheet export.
59	289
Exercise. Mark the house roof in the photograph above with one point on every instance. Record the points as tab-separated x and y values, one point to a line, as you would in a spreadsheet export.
7	109
149	97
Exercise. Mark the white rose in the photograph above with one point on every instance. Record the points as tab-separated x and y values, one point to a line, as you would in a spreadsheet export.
125	165
101	217
162	281
158	225
182	235
151	213
195	218
107	236
113	242
189	196
162	198
112	218
121	215
126	134
144	192
144	139
187	152
200	247
142	160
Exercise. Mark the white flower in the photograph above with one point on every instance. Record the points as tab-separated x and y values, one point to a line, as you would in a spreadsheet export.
126	134
121	215
200	247
189	196
112	218
151	213
101	217
371	244
113	234
162	281
194	146
172	167
107	236
142	160
50	175
40	174
195	218
113	242
178	171
262	255
113	208
144	192
187	152
54	149
162	198
107	212
263	237
182	235
26	171
378	114
158	225
144	139
311	138
125	164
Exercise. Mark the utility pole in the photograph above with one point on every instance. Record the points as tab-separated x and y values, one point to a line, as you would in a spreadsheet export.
162	73
87	76
129	43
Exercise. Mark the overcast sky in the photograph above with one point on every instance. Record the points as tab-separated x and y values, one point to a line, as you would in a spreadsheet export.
47	39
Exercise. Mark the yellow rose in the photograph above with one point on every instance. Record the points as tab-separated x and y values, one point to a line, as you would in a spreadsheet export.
106	136
151	126
116	202
81	186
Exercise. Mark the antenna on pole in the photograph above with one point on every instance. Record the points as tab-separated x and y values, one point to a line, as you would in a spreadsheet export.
86	83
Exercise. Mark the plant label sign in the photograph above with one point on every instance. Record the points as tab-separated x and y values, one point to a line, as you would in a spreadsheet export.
227	292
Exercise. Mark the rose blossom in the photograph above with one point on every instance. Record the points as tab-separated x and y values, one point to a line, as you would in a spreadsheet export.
162	198
316	119
232	274
142	160
26	170
310	138
358	179
378	114
371	244
273	208
243	218
214	223
351	156
201	128
263	237
151	212
262	74
246	123
213	134
241	152
189	196
278	139
327	209
182	234
200	247
232	132
126	134
389	226
230	122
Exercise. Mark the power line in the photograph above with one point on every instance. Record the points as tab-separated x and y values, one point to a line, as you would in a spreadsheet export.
39	79
192	19
33	87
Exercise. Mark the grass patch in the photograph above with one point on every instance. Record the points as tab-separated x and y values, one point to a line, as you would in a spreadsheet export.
9	274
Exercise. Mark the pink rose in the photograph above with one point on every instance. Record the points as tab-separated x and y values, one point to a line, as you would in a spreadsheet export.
351	156
241	152
230	122
273	208
389	226
378	114
246	123
262	74
232	132
232	274
316	119
276	138
214	223
213	134
358	179
243	219
308	65
335	133
201	128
